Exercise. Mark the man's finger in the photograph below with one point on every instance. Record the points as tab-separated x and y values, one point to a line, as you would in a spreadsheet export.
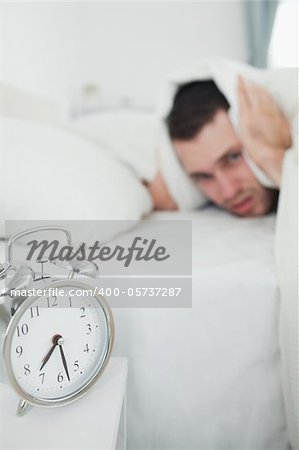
244	105
244	98
265	99
256	96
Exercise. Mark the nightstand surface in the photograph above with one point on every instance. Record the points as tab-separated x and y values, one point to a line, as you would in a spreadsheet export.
93	422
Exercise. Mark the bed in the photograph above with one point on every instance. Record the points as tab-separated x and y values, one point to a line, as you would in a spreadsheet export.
206	377
209	377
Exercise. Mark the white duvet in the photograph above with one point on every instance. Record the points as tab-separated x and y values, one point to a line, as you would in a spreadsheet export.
210	377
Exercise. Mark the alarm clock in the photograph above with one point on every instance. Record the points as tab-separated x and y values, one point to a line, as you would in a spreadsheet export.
58	337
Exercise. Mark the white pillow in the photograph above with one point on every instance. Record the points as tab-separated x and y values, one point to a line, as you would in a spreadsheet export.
50	174
15	102
130	136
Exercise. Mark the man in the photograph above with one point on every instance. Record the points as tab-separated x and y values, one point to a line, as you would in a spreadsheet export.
212	152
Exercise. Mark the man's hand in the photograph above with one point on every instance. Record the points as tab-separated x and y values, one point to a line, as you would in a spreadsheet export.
265	131
160	195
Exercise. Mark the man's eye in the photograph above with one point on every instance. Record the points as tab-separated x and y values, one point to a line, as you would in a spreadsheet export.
233	157
201	177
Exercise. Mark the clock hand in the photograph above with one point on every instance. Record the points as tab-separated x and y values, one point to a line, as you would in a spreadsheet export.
64	362
48	355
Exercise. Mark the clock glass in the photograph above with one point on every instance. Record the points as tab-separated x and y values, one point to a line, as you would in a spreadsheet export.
57	346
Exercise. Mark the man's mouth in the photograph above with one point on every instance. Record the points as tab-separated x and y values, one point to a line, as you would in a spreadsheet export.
244	206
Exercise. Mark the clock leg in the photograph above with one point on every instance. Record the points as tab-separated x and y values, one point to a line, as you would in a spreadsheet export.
23	406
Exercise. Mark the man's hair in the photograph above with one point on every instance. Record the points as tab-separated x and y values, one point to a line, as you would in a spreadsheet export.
195	104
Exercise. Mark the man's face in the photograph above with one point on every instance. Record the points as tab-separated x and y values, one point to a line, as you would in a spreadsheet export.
213	159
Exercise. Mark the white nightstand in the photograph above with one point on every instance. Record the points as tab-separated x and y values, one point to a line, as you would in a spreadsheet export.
96	421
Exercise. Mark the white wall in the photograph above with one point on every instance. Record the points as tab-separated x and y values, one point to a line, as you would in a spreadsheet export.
52	48
284	47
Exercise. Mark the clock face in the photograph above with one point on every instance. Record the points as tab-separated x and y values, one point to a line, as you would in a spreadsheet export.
58	344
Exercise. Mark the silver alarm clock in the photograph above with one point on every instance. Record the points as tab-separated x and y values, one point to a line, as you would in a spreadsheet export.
56	343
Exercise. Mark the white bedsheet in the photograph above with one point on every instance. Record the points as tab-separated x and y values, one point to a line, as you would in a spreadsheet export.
209	377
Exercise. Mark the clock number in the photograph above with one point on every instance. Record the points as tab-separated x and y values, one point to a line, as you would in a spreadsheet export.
60	377
42	375
88	328
86	348
19	350
34	311
52	302
76	365
27	370
22	330
83	312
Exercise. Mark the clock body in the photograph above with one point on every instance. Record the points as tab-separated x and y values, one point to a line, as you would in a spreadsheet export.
57	344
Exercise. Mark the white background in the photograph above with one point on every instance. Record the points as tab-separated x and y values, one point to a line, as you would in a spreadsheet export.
56	48
53	49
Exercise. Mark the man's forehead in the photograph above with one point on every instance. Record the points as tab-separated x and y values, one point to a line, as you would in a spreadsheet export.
211	144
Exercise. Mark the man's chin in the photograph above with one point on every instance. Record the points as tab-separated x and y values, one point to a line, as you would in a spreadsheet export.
253	205
243	207
254	212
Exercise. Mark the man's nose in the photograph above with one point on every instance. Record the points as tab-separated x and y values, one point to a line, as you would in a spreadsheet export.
228	187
